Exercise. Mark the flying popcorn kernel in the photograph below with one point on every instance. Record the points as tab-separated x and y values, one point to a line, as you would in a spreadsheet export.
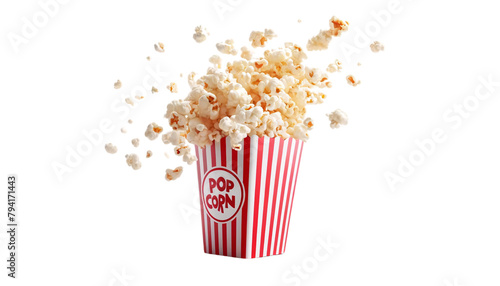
200	34
118	84
323	38
154	90
110	148
133	161
376	47
148	58
246	53
149	153
153	131
189	158
135	142
338	26
130	121
259	38
173	174
335	67
123	130
308	122
337	118
351	80
172	87
227	47
129	101
160	47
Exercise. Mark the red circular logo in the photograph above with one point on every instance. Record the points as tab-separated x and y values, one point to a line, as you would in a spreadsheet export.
222	193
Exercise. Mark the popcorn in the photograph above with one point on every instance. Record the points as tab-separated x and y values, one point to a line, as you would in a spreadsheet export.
376	47
337	118
110	148
123	130
351	80
323	38
189	158
335	67
152	131
149	153
259	39
118	84
174	138
154	89
135	142
227	47
216	60
182	150
129	100
338	26
130	121
246	53
148	58
172	87
133	161
160	47
173	174
308	122
200	34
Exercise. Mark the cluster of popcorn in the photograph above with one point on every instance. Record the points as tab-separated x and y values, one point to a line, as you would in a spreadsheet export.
264	96
323	38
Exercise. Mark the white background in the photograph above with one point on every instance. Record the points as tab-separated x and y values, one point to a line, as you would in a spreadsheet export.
440	226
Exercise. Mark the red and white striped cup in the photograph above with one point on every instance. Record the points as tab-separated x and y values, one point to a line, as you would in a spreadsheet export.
246	196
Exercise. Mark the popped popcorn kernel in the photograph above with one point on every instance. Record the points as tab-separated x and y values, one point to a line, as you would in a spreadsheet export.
160	47
148	58
153	130
133	161
172	87
322	40
149	153
154	90
123	130
189	158
110	148
246	53
216	60
337	118
135	142
129	101
338	26
117	84
351	80
259	38
200	34
334	67
227	47
376	47
173	174
308	122
130	121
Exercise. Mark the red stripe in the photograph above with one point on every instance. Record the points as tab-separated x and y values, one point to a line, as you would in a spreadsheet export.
234	166
224	225
288	197
283	185
208	219
246	171
266	194
276	182
257	194
201	202
216	225
293	195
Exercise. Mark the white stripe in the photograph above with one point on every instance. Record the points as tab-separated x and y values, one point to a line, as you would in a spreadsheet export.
295	172
274	165
239	221
229	166
251	192
288	175
265	154
278	195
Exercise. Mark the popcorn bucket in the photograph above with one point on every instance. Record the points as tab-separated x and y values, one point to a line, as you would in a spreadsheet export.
246	196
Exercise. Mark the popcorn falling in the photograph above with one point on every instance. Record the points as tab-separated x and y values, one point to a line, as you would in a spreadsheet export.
133	161
264	95
173	174
110	148
376	47
337	118
118	84
160	47
200	34
351	80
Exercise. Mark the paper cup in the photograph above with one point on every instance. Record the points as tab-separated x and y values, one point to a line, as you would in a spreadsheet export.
246	196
